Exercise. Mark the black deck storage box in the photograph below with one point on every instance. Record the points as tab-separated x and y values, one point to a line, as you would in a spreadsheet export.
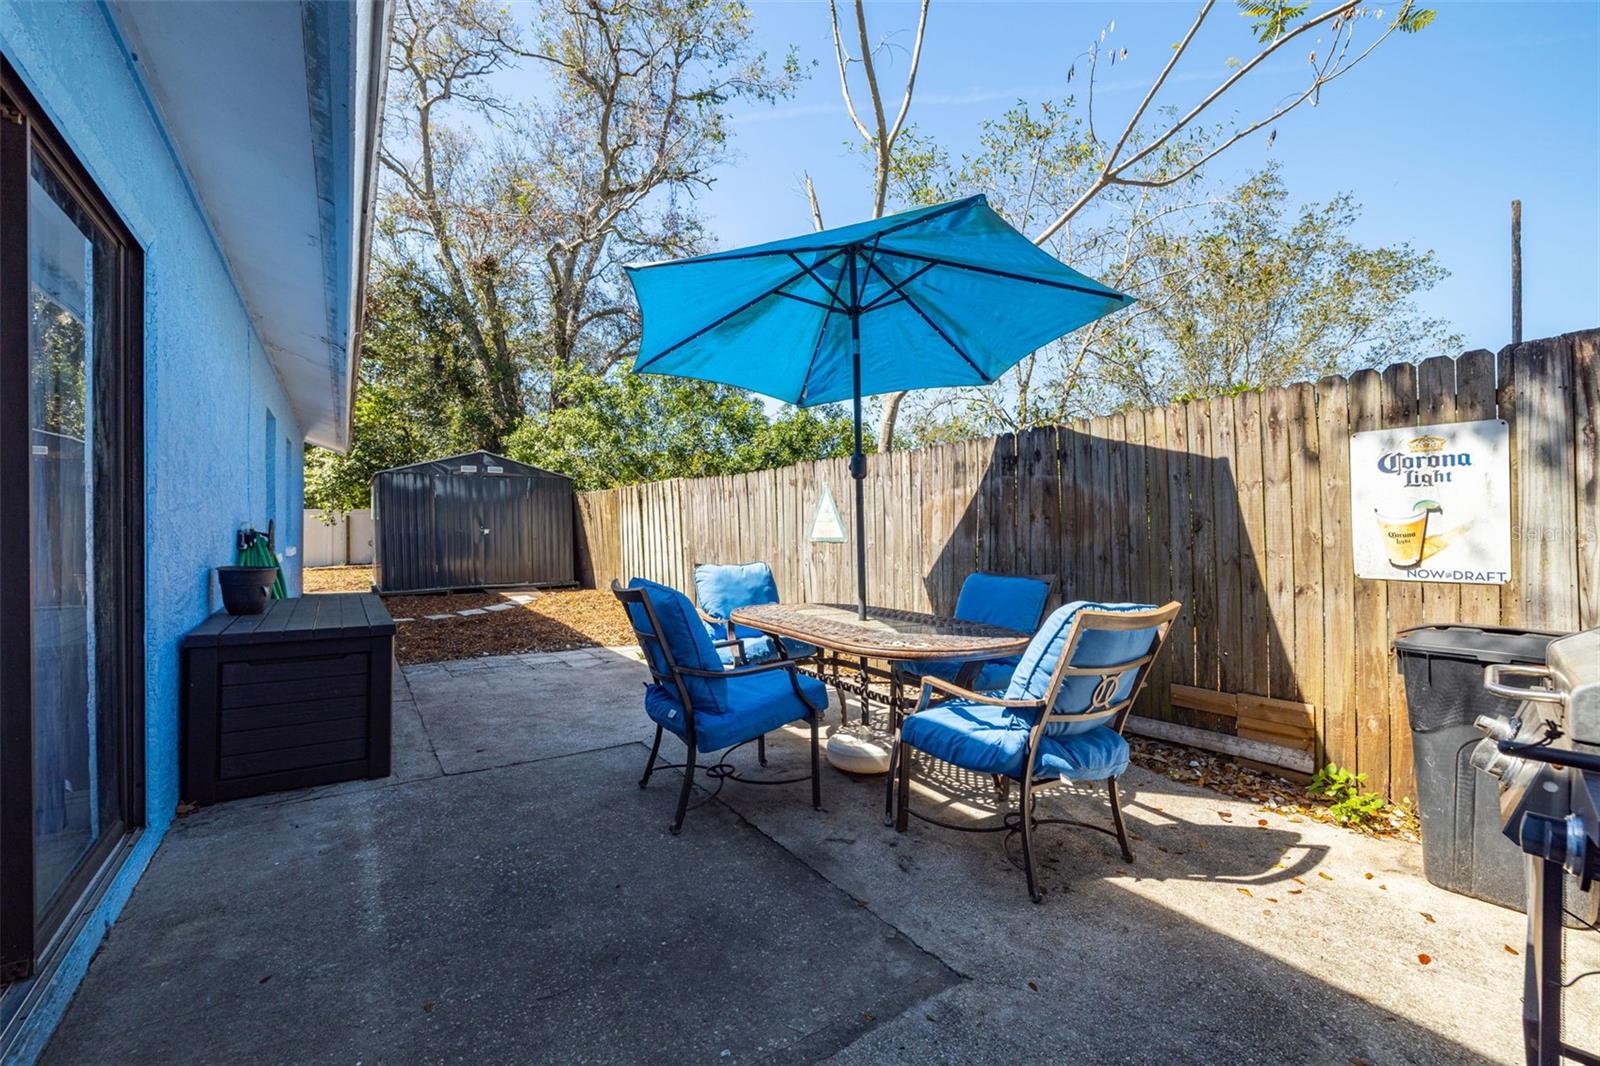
297	696
1463	849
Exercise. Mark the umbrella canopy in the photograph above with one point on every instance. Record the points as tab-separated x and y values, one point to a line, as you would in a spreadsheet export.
941	296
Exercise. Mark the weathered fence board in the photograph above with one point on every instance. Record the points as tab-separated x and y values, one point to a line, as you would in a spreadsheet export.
1238	506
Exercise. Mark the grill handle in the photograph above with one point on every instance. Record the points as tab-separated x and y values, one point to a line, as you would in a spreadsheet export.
1494	673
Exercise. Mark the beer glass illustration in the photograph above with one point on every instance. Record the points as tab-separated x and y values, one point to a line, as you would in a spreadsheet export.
1404	535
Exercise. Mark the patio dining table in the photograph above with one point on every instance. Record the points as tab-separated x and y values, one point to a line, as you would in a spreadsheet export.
850	643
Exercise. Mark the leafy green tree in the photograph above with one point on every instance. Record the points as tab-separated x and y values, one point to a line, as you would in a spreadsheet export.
641	427
1260	295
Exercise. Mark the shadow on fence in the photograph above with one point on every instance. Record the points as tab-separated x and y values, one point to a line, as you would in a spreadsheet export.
1237	506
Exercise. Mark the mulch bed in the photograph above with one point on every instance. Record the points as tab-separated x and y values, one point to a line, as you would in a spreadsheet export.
553	621
1275	795
337	579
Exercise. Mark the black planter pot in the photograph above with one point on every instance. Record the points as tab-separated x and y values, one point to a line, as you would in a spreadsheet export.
246	589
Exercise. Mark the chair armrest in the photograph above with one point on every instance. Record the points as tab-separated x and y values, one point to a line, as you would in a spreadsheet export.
726	624
787	665
929	683
740	671
726	643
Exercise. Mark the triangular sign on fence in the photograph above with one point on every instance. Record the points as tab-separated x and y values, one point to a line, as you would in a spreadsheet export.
827	525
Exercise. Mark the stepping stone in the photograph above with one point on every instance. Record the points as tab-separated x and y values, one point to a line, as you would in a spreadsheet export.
472	611
501	607
437	617
404	620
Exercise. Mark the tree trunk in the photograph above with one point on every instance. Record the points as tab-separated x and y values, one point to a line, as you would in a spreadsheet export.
891	410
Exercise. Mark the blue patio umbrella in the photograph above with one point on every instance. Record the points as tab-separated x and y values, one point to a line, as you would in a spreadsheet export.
940	296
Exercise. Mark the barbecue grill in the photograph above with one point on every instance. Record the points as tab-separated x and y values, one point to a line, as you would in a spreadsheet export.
1547	761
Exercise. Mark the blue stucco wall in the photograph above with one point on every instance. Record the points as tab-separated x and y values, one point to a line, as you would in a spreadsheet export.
208	389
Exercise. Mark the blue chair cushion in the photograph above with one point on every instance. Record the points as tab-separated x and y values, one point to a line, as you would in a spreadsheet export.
1012	602
993	740
759	647
993	676
1097	647
719	589
685	635
757	704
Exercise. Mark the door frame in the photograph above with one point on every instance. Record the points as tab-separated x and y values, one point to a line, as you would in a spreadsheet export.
27	942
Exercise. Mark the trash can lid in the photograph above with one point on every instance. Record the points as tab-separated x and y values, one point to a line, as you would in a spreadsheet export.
1483	644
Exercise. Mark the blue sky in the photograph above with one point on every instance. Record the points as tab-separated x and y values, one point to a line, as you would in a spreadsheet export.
1435	134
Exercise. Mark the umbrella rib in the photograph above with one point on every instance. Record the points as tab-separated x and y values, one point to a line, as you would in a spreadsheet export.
896	286
935	327
804	300
708	327
811	272
822	333
1006	274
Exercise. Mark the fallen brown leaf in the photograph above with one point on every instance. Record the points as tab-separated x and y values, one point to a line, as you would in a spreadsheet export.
1511	950
1033	986
1246	891
1324	875
1427	917
1296	891
1424	959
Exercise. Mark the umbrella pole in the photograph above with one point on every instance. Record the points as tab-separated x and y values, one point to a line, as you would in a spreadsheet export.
858	460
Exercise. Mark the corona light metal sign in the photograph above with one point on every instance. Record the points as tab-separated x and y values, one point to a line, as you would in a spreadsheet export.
1432	503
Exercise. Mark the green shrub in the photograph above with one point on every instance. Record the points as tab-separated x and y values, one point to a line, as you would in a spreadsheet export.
1342	789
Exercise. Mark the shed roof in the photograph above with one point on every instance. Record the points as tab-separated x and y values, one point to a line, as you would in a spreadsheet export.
482	460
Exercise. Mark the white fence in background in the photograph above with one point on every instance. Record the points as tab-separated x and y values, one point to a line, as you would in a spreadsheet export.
329	540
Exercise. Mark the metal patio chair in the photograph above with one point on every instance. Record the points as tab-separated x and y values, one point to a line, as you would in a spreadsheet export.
1060	718
722	588
708	706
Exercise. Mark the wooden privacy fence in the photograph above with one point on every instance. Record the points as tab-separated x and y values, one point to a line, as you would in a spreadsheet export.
1238	506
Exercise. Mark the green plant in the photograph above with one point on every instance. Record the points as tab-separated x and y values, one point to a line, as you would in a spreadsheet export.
1342	789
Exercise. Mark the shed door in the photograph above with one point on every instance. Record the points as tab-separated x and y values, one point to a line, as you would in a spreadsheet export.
458	531
505	507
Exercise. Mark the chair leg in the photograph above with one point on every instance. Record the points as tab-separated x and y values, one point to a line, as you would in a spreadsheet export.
903	806
1027	843
683	796
1116	818
866	688
816	764
896	723
650	763
761	749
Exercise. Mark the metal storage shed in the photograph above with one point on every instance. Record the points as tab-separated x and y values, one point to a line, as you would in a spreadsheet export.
477	520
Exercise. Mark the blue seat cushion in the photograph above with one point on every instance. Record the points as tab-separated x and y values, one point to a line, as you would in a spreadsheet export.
994	740
685	637
757	704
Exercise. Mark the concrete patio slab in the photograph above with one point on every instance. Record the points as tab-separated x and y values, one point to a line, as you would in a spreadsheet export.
389	926
511	896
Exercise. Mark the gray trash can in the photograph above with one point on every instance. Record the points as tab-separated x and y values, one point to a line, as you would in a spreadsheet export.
1463	849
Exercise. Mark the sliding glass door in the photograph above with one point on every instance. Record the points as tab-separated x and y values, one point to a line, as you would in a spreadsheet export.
70	558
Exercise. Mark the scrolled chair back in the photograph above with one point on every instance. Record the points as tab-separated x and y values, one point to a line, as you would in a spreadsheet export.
1087	663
